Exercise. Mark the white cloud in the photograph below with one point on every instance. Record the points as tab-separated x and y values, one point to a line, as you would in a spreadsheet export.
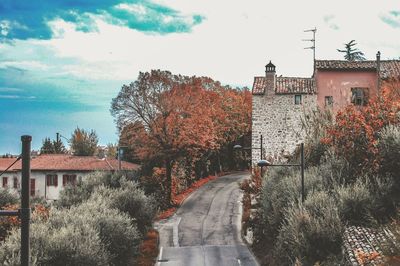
232	44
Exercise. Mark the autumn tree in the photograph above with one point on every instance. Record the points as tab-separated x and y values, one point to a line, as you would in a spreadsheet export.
83	143
165	117
355	134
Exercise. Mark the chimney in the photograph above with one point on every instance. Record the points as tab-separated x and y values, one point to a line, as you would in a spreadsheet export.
378	70
270	76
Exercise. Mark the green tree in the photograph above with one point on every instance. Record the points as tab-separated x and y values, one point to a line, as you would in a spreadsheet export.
351	53
47	147
59	147
84	143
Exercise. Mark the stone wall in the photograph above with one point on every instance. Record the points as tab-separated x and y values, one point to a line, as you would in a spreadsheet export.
278	119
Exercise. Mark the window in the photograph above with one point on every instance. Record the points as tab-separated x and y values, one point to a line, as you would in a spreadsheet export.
52	180
69	179
5	181
359	96
33	187
15	182
328	100
297	99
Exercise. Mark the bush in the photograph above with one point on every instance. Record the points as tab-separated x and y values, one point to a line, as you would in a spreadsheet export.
311	233
7	198
282	189
131	200
69	245
73	195
389	148
355	203
116	230
384	198
88	234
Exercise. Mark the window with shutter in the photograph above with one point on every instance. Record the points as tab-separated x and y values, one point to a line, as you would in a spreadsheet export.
69	179
52	180
15	182
5	181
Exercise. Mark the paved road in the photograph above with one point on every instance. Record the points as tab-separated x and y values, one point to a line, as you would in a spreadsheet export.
206	228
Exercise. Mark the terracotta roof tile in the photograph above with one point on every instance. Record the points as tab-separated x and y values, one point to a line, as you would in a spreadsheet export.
290	85
285	85
259	85
389	68
66	162
6	162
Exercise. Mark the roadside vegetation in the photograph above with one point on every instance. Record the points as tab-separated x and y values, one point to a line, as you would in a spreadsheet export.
101	221
351	178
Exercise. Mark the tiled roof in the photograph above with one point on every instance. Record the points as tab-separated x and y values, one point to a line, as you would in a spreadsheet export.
285	85
66	162
389	68
259	85
289	85
6	162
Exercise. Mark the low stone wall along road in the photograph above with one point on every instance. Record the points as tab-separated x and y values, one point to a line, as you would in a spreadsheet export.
206	228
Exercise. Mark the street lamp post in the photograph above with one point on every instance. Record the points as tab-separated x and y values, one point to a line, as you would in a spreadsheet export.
239	147
263	163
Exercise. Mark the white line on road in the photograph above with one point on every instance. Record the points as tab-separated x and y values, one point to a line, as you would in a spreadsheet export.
175	235
160	256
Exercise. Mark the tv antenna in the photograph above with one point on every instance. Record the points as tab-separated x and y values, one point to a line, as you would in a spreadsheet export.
312	41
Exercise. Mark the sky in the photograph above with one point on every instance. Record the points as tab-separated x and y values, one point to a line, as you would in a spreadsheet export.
62	62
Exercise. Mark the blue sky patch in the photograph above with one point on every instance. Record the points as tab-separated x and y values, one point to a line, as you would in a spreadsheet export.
21	19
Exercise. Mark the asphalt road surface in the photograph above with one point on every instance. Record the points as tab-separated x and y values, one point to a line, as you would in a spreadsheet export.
206	229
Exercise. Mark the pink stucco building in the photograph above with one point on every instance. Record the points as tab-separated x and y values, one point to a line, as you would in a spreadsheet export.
280	102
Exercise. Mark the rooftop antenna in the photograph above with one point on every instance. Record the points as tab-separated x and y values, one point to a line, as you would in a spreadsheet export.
313	43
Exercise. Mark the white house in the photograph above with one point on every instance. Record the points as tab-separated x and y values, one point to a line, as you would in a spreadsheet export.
51	172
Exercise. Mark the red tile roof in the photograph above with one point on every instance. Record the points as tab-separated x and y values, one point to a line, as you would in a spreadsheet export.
259	85
389	68
66	162
289	85
285	85
6	162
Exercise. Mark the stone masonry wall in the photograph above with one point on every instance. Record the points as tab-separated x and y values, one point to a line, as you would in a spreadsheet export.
278	119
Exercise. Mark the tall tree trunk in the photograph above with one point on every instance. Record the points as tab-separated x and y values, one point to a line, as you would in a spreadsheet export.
168	173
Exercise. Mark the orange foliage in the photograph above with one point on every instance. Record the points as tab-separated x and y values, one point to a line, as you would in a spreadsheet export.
355	133
165	117
9	222
364	258
148	249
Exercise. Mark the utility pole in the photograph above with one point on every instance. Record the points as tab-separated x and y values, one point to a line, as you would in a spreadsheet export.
313	45
25	211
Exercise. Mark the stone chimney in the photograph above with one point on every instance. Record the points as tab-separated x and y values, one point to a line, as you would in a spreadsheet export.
378	70
270	76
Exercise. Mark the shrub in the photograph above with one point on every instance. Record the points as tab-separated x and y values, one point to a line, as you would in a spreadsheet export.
311	233
281	189
131	200
72	195
389	148
7	198
116	231
384	198
354	203
69	245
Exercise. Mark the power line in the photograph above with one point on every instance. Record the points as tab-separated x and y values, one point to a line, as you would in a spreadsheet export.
18	158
